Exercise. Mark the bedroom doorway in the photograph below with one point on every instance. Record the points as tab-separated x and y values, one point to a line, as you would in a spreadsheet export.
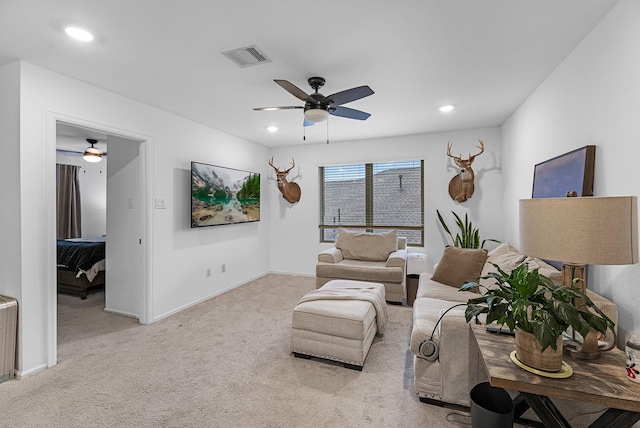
113	208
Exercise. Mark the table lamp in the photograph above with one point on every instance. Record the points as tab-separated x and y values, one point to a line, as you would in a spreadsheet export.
579	231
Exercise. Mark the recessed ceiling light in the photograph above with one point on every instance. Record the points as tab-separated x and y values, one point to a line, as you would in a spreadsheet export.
446	109
272	128
79	34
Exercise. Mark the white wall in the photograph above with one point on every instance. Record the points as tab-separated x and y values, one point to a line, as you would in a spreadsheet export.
179	255
10	220
93	192
295	240
593	97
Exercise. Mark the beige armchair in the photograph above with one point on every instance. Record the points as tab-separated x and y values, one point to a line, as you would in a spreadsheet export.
370	257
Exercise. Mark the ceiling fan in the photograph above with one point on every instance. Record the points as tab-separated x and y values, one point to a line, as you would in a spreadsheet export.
318	107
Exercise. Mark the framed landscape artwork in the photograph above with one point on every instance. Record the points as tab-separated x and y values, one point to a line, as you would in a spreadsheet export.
222	195
570	172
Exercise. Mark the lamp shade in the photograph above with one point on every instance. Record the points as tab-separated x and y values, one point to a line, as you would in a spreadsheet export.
581	230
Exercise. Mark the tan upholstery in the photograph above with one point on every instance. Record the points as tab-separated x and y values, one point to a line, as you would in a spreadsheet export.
457	369
459	265
389	270
374	247
338	330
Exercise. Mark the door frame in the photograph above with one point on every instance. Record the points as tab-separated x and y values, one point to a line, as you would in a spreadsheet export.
146	192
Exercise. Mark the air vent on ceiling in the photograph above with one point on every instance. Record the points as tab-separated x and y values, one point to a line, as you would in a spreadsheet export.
246	56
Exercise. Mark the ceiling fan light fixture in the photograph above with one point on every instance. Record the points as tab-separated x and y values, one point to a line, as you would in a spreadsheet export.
315	115
91	154
446	109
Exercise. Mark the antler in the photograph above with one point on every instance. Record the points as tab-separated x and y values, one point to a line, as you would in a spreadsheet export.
293	163
286	171
481	147
458	158
272	165
471	158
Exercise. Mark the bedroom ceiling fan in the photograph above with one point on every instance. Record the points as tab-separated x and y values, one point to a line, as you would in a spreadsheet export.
92	154
318	107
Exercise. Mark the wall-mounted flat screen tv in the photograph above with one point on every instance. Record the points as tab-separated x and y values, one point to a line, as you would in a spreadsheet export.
222	195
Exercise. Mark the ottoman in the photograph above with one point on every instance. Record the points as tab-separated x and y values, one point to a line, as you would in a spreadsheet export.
338	322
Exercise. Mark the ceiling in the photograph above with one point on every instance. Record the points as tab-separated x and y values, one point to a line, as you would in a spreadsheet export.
484	57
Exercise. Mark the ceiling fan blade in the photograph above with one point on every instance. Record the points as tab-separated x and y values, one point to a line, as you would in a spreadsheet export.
349	113
294	90
349	95
276	108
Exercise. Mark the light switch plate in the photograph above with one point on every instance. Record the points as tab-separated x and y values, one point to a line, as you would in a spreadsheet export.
161	203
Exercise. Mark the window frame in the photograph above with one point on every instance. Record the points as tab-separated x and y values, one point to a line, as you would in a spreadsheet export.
369	211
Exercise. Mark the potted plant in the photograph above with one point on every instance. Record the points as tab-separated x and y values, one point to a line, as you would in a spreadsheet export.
468	237
538	311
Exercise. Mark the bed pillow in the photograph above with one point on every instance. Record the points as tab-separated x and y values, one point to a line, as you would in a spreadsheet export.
459	265
374	247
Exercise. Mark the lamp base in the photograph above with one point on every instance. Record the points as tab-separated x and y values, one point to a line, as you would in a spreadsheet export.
575	350
589	349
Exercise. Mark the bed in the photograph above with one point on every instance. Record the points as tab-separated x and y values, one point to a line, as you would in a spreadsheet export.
81	265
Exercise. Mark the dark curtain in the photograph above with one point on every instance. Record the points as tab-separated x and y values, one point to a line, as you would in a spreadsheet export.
68	202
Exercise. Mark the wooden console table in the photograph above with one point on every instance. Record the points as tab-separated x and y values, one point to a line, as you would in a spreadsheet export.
602	381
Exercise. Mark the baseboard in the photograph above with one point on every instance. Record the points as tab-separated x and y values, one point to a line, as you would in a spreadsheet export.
188	305
25	374
121	313
308	275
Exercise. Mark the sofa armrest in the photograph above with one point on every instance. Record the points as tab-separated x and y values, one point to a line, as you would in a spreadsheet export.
397	259
330	255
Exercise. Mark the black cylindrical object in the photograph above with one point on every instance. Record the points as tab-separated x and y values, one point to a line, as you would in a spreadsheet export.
412	287
491	407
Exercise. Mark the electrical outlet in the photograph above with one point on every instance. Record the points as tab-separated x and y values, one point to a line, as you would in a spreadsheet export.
208	273
224	268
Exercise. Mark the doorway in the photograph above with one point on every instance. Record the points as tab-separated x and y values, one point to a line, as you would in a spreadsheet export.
125	224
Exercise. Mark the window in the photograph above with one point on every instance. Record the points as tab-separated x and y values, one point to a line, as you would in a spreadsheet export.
373	197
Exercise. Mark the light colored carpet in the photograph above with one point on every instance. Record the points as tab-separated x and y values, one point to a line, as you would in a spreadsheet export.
222	363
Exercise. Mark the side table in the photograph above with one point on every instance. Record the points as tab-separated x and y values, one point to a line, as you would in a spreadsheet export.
416	264
602	381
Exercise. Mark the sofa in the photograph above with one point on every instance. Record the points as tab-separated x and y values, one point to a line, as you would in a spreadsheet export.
369	257
449	375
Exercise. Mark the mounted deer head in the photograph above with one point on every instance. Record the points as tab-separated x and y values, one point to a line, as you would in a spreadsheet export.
461	186
290	191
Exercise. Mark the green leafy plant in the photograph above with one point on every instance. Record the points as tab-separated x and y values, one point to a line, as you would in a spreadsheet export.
533	303
468	236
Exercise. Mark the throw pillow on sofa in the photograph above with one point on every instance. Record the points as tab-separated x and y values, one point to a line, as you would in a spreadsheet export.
508	258
505	256
459	265
374	247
